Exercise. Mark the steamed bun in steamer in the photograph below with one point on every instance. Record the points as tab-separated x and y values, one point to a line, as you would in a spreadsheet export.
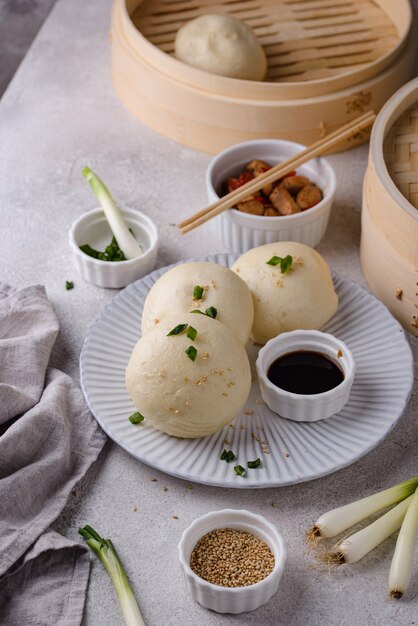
302	298
188	398
221	44
223	289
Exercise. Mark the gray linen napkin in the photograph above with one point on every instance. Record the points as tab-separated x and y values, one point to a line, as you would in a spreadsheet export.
48	440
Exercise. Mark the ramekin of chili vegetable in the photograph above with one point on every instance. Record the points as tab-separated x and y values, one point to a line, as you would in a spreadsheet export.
295	208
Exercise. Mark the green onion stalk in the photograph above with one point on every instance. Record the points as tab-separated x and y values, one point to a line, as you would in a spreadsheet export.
105	551
352	549
336	521
403	558
126	241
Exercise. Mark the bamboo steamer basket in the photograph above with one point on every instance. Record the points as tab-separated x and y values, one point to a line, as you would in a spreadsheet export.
389	240
328	62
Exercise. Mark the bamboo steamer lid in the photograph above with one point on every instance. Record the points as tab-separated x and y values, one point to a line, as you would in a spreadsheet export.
389	242
366	60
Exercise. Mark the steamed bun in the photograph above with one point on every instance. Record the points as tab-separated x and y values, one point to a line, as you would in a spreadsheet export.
304	297
223	289
188	398
221	44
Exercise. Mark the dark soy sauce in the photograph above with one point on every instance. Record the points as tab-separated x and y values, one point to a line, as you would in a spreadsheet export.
305	372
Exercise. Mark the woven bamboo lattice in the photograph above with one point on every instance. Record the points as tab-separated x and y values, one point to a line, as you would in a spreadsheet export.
401	154
303	39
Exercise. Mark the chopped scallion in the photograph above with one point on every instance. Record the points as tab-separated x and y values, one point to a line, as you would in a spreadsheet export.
285	263
254	464
69	285
112	251
239	470
177	330
192	333
228	456
210	312
197	292
191	352
136	418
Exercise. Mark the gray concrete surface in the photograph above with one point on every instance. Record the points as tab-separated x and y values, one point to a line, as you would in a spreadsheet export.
20	20
58	114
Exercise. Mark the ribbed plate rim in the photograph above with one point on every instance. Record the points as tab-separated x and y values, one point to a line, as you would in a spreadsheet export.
242	483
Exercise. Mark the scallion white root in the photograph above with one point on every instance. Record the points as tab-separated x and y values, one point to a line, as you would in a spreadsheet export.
403	558
354	548
336	521
104	549
126	241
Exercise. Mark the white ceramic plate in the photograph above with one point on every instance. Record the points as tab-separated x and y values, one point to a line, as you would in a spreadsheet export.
294	451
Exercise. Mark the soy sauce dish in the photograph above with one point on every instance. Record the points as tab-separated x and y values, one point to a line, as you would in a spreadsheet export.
305	375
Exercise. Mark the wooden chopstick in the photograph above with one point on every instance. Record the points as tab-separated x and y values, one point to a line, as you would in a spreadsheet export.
278	171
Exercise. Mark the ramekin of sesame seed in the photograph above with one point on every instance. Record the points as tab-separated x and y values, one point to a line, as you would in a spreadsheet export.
232	560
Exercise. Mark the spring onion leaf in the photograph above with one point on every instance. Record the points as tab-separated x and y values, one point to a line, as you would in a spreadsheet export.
136	418
254	464
127	242
228	456
105	551
191	352
198	292
239	470
69	285
177	330
285	263
192	333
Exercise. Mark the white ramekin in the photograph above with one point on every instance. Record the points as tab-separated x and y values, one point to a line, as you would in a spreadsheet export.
240	231
299	407
232	599
92	228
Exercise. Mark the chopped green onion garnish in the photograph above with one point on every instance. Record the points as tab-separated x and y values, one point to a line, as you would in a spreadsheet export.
239	470
253	464
285	263
191	352
112	252
210	312
136	418
198	292
177	330
192	333
228	456
69	284
96	254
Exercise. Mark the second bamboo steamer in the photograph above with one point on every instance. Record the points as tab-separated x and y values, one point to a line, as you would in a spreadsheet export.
328	62
389	238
